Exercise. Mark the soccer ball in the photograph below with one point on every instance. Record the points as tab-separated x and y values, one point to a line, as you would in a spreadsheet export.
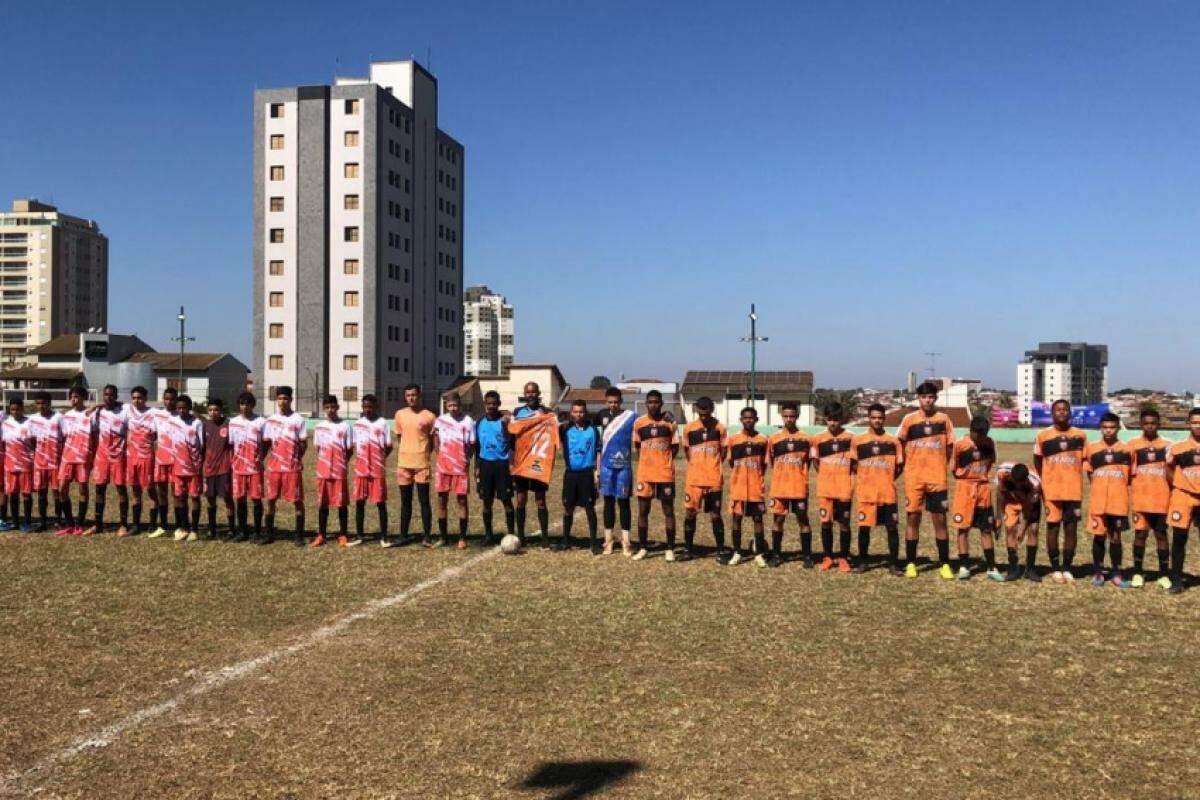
510	545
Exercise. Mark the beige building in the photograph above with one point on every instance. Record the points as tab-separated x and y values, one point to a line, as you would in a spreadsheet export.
487	332
53	278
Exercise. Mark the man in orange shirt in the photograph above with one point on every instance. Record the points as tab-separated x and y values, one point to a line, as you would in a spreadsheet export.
1151	492
974	456
928	439
655	439
535	431
1184	511
830	454
877	459
1058	461
704	443
1109	464
787	454
413	431
747	485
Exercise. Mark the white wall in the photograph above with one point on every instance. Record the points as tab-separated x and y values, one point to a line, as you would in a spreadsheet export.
286	219
339	250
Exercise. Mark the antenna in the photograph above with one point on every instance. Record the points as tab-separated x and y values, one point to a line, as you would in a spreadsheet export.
933	364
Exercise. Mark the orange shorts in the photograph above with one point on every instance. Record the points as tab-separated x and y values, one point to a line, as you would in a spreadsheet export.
107	470
1013	511
931	497
1063	511
72	473
247	486
285	485
747	508
451	484
371	489
187	485
782	506
972	507
331	492
162	472
650	489
872	514
18	482
831	509
1182	513
1150	521
139	472
406	476
702	498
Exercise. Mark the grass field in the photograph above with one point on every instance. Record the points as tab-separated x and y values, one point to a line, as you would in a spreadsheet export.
563	675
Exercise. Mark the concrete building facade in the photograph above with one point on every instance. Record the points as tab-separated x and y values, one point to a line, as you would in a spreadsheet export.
53	278
358	239
1073	371
488	330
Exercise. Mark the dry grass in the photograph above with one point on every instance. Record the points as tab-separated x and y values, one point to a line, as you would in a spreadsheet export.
711	682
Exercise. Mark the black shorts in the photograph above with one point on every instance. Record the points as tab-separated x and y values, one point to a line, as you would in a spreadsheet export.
1108	523
494	480
522	484
579	488
1149	521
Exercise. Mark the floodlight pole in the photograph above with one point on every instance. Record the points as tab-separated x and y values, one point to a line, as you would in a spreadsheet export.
753	339
183	339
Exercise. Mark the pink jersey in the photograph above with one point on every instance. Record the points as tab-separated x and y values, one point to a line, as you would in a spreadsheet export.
187	442
164	450
334	442
455	438
246	439
77	427
372	441
111	423
285	435
47	436
141	427
18	445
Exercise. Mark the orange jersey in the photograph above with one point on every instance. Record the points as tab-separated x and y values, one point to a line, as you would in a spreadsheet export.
787	453
748	455
702	447
1062	463
927	444
832	454
535	445
973	462
655	440
1110	467
1185	458
1151	488
876	457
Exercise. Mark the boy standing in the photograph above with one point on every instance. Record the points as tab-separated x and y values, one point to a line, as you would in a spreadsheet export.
79	442
928	439
1109	465
164	450
787	454
372	438
334	442
876	461
705	444
493	478
187	469
974	456
218	460
19	447
616	468
139	451
286	435
454	441
246	440
413	432
1151	498
46	427
580	446
1058	460
835	487
656	441
109	466
747	489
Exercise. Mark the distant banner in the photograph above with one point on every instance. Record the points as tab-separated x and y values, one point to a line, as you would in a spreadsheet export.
1081	416
1005	417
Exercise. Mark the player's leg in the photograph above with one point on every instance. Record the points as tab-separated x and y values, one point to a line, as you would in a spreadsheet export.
485	486
987	541
443	501
1099	538
625	519
520	499
211	491
935	504
405	482
912	532
800	509
426	506
778	521
543	511
297	498
122	505
589	512
99	487
826	514
1179	538
27	500
572	493
842	513
609	521
734	556
667	499
1116	526
1070	530
62	500
324	492
891	524
643	526
461	499
1163	548
766	556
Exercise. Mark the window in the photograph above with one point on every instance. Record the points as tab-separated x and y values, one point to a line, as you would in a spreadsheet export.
351	106
350	299
350	330
274	362
350	138
277	172
351	170
277	204
350	394
275	330
275	267
276	141
276	235
350	234
276	110
350	362
275	299
350	202
350	266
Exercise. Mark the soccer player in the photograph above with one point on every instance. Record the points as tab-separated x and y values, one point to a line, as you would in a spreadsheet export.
580	443
928	439
246	439
1151	492
334	442
830	455
876	461
493	479
139	451
535	445
523	485
164	450
1184	511
413	432
656	441
974	457
704	448
79	443
109	464
1059	462
285	435
787	455
747	490
19	446
454	443
1109	465
1019	505
372	445
218	461
46	427
616	467
187	469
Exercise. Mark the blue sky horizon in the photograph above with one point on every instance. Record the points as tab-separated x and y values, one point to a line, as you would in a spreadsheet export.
883	181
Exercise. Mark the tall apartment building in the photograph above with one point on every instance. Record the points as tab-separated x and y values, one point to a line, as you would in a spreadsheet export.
53	277
487	332
1074	371
358	239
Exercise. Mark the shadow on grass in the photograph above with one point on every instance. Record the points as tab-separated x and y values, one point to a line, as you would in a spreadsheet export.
578	779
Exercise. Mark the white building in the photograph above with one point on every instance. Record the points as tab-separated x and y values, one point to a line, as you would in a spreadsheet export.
729	391
1072	371
358	239
488	347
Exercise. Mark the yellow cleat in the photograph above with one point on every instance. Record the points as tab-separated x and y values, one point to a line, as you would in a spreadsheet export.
945	573
911	570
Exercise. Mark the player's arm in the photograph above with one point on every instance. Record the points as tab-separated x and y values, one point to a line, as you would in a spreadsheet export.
899	463
562	444
302	444
674	443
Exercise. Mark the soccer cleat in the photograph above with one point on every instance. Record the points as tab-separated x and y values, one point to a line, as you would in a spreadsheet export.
964	574
910	570
426	541
386	541
65	530
1013	574
774	560
122	532
808	562
608	548
1138	581
684	555
264	540
1067	577
994	574
669	556
317	541
1057	577
895	570
597	551
1098	579
640	554
626	550
760	560
1176	586
1031	574
26	527
298	539
180	534
735	559
860	566
723	557
1120	582
826	564
1165	582
157	533
343	541
462	543
945	573
192	536
843	566
89	531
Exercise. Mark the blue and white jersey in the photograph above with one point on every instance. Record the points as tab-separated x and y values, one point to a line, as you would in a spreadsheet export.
579	446
616	440
492	437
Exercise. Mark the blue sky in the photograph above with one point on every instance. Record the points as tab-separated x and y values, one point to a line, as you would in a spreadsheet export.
882	179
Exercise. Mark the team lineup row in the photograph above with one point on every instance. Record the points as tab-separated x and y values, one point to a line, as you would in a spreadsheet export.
172	455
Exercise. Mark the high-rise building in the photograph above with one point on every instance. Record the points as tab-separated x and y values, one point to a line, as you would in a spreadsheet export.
53	277
358	239
487	332
1074	371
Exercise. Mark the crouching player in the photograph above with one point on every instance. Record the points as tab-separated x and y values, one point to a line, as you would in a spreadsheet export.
747	487
877	460
334	443
1151	498
19	446
1019	505
974	456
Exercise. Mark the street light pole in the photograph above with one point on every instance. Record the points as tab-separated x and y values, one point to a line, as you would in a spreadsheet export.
754	339
183	339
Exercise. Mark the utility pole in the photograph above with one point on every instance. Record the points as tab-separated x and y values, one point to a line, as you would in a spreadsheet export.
183	339
753	339
933	364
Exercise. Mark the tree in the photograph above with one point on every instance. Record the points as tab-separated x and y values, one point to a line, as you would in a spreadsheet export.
1147	406
600	382
1006	401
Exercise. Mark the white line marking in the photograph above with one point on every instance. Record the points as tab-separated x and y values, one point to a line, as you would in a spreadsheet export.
217	678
